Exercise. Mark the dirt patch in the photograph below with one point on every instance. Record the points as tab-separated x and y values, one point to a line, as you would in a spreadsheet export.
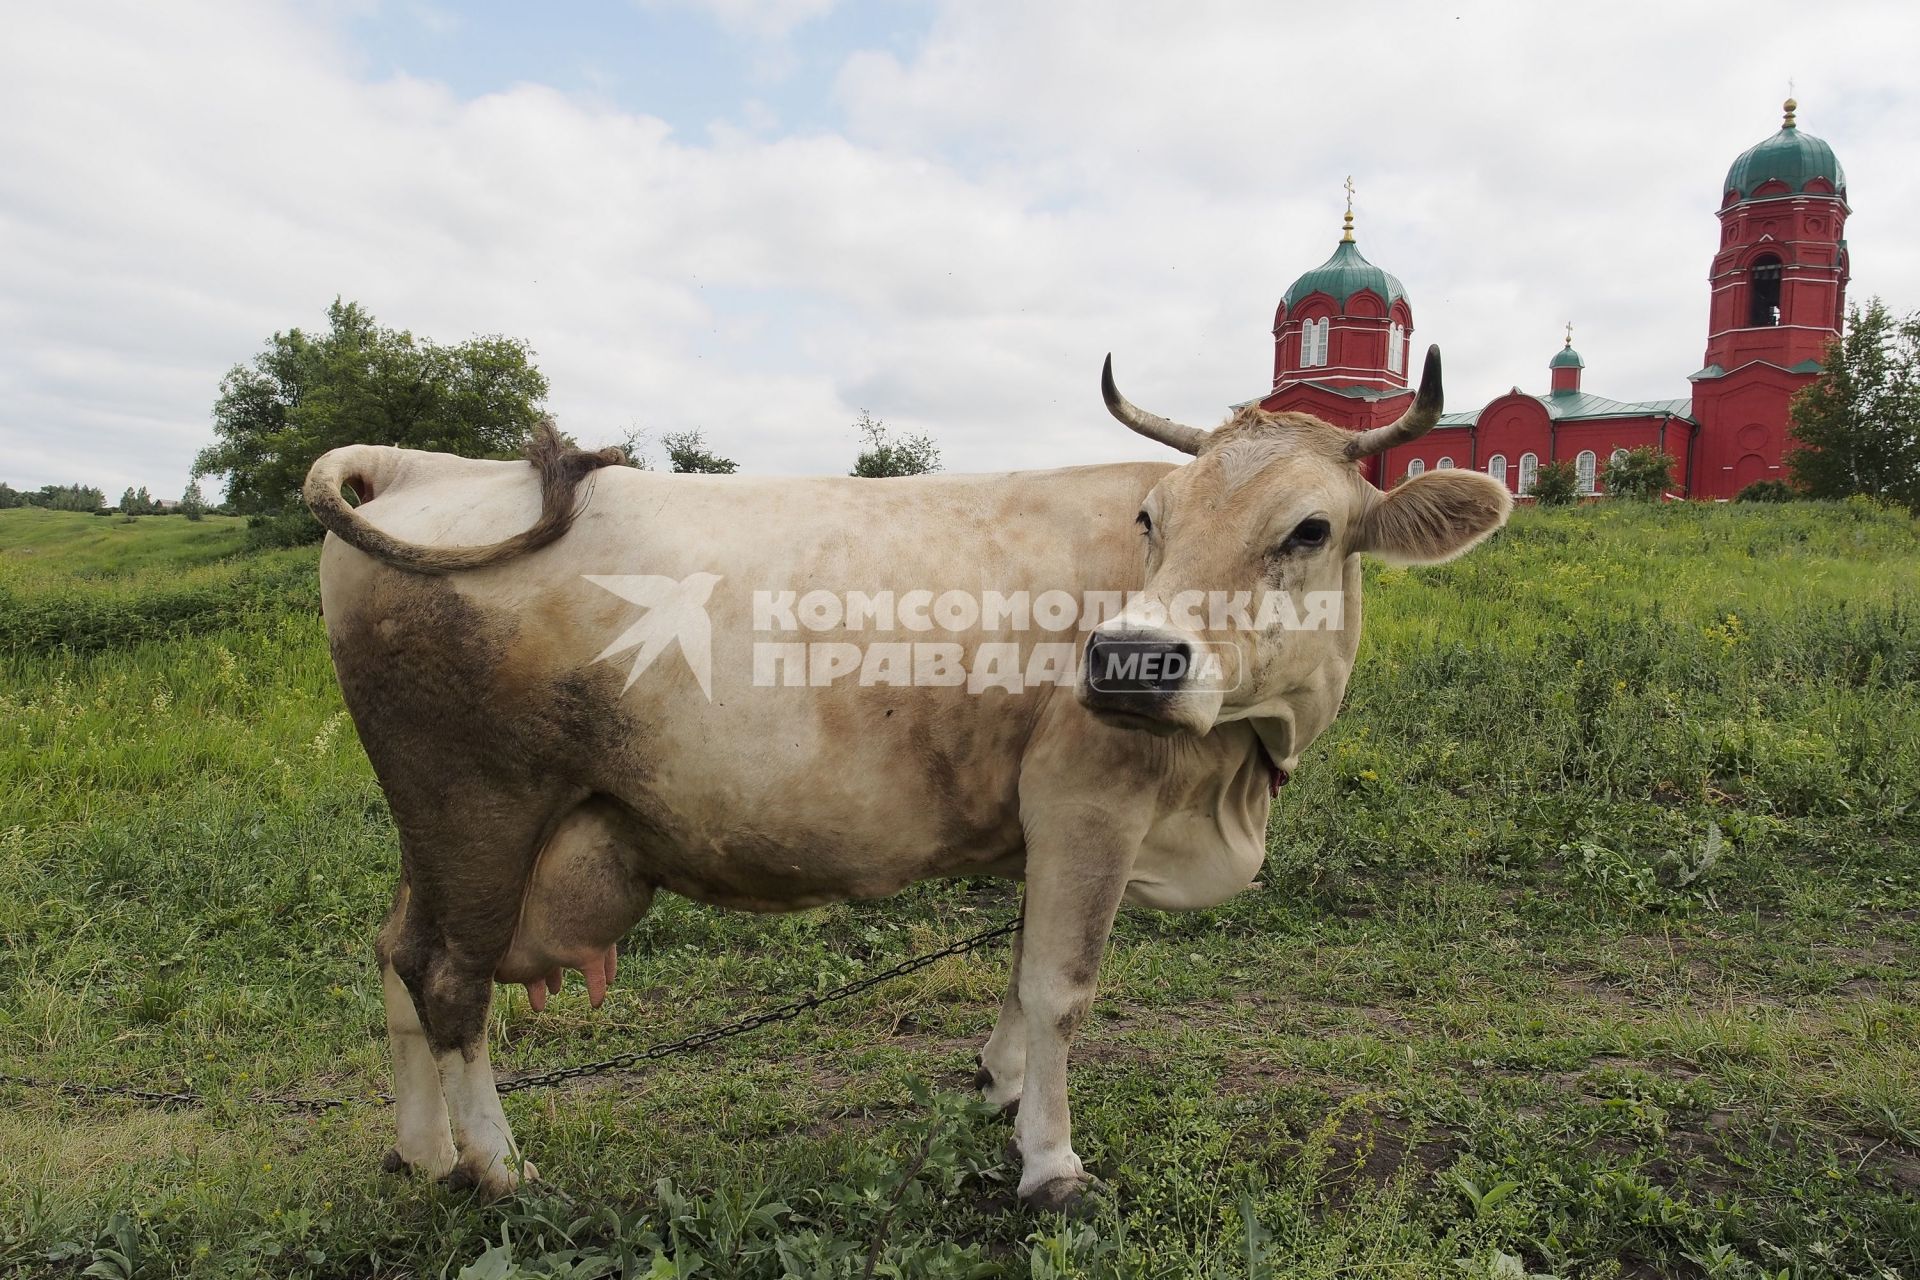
1357	1150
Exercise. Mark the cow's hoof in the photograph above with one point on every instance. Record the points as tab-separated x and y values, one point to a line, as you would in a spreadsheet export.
432	1166
491	1180
983	1081
1078	1198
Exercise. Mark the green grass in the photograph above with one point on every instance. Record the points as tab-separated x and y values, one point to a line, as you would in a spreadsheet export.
1586	946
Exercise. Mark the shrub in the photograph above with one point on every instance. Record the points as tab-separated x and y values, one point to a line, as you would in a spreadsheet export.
1557	485
1643	474
1767	491
294	528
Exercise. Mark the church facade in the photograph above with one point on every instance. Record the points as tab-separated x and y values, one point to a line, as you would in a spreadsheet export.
1343	341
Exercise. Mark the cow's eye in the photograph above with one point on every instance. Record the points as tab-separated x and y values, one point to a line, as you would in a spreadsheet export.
1307	535
1145	522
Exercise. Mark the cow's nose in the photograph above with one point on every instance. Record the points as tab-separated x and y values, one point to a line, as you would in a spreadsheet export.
1137	662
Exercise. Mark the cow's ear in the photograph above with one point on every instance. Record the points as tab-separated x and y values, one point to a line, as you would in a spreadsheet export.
1433	517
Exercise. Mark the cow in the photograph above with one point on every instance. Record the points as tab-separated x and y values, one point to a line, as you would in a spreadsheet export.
570	718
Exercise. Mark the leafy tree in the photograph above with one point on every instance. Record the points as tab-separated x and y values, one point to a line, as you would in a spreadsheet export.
192	505
1857	426
129	504
67	497
687	452
1556	485
11	497
632	444
360	383
885	456
1766	491
1643	473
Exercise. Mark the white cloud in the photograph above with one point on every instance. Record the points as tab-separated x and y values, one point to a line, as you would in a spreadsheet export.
1031	187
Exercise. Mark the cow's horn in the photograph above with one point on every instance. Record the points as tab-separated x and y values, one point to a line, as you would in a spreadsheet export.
1412	424
1150	425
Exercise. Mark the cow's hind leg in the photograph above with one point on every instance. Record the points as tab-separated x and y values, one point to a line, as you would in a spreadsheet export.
424	1140
467	874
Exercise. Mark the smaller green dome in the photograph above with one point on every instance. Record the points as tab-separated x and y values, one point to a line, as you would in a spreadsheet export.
1566	358
1343	275
1791	156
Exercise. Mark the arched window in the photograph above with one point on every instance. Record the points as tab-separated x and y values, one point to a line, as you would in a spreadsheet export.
1763	292
1497	467
1396	348
1415	467
1443	464
1313	342
1614	459
1583	470
1529	472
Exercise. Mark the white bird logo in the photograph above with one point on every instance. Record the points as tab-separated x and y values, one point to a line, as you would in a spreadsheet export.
676	610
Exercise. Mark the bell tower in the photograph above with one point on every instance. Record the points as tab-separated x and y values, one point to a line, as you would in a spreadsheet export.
1779	285
1780	278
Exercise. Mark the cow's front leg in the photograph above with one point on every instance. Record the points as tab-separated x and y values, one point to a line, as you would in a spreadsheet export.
1003	1059
1075	878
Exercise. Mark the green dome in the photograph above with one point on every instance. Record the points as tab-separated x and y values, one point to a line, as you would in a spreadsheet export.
1793	157
1343	275
1566	358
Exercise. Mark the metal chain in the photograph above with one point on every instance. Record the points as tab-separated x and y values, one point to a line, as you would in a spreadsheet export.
543	1079
785	1013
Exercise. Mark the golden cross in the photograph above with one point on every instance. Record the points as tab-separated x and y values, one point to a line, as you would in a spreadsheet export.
1349	186
1569	333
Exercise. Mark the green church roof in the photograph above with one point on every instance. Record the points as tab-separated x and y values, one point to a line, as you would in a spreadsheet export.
1566	358
1343	275
1793	157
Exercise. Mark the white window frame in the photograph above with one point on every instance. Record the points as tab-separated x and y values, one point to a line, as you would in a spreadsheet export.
1444	464
1396	348
1529	472
1585	469
1313	342
1497	468
1417	467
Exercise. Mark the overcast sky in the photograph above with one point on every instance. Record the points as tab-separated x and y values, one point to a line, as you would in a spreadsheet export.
757	217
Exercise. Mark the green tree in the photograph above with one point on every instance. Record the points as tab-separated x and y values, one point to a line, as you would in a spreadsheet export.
67	497
11	497
129	503
1556	485
1643	473
192	505
886	456
687	453
1857	426
359	383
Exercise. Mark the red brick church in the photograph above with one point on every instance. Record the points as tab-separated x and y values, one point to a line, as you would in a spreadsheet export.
1342	343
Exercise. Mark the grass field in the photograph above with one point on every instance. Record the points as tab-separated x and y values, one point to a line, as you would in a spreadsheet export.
1586	947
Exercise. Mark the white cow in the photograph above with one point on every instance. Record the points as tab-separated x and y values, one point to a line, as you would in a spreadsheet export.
638	694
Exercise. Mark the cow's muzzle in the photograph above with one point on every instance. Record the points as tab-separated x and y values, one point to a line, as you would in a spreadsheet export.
1141	679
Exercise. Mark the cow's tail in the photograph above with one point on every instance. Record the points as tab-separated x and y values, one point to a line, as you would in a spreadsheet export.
371	469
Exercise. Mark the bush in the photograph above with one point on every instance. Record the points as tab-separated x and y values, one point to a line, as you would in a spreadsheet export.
1767	491
1557	485
89	621
1643	474
295	528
